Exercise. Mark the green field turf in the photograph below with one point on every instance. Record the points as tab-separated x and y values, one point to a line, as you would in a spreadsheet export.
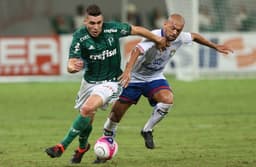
213	124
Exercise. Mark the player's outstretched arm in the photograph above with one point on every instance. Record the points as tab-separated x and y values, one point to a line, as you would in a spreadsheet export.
201	40
161	42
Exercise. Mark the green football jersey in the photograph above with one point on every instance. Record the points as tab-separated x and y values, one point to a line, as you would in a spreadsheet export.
101	55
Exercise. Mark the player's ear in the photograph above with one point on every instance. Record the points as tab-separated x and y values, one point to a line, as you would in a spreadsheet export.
86	19
165	23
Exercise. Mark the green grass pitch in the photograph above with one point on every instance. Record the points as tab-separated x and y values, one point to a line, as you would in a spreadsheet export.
212	124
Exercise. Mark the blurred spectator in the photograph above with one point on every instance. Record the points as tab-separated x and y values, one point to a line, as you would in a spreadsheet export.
79	17
205	19
62	24
157	18
133	17
241	19
221	12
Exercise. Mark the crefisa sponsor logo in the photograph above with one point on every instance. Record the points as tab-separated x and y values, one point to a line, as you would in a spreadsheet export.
104	55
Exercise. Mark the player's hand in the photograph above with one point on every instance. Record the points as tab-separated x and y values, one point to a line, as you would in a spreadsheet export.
79	64
162	44
224	49
124	79
75	65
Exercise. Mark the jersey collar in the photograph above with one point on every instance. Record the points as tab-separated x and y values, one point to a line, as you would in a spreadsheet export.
162	32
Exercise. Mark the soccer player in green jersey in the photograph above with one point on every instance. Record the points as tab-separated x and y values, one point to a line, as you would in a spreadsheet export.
96	49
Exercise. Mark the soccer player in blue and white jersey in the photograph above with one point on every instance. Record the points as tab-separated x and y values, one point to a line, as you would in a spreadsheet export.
147	77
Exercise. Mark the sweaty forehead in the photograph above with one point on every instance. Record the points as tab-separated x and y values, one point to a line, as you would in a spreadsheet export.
176	23
94	18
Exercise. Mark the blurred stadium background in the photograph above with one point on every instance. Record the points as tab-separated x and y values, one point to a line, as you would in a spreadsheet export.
213	120
35	35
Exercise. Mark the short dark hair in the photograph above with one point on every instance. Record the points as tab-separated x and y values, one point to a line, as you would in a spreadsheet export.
93	10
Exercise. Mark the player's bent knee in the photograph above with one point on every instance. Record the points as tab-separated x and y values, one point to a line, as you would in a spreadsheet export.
164	96
87	110
168	99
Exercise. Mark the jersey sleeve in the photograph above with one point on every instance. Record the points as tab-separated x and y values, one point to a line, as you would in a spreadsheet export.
144	45
75	48
124	29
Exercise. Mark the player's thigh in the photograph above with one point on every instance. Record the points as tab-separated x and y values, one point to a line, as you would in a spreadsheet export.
108	91
97	94
132	93
83	93
92	103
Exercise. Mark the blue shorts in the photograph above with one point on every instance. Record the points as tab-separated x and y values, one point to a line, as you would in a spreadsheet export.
133	92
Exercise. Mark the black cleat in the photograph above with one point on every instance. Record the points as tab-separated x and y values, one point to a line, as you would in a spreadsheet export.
99	161
78	155
55	151
148	137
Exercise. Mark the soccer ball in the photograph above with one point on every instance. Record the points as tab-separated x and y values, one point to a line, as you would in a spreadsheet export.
105	148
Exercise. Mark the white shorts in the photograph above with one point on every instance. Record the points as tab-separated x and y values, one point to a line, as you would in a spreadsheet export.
108	91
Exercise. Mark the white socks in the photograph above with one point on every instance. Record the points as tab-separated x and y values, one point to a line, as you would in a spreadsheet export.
159	112
110	127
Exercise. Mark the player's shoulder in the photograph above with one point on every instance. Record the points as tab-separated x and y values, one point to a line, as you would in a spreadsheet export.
184	36
114	25
81	34
110	24
110	27
183	33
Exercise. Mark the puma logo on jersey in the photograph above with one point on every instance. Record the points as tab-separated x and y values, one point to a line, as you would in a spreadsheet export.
75	131
91	47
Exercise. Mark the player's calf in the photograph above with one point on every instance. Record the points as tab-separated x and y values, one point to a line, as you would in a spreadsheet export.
159	112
